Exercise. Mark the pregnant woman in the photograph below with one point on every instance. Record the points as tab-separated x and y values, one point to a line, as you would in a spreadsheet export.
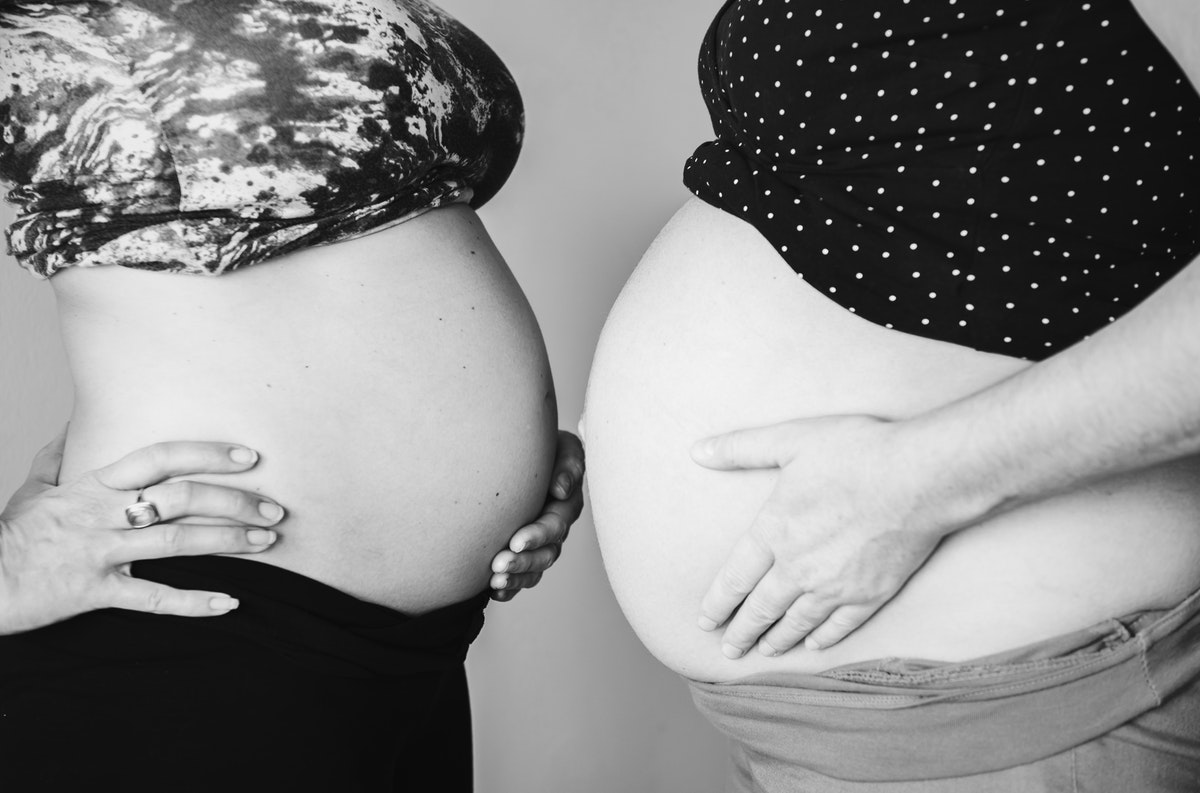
180	171
941	257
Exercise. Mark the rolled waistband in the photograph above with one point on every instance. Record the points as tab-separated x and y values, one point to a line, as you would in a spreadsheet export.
899	720
312	624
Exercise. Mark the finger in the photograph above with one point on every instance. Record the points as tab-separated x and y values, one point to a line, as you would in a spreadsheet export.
551	528
797	622
537	561
762	608
48	462
152	464
748	562
840	624
503	595
760	447
568	465
136	594
180	539
195	499
515	581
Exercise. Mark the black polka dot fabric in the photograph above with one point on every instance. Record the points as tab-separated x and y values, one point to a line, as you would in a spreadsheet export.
1010	175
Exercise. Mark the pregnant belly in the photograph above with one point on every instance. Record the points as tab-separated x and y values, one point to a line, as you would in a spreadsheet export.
396	387
713	332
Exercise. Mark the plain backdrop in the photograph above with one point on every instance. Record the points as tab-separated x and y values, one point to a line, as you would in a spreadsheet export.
565	698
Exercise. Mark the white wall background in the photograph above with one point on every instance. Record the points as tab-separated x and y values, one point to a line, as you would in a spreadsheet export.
565	698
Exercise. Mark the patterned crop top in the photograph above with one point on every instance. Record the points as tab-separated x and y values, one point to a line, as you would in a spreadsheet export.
200	136
1009	175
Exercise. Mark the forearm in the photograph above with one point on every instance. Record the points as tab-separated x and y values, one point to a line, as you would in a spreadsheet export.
1126	398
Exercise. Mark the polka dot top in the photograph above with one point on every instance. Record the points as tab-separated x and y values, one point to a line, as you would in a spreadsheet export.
1009	175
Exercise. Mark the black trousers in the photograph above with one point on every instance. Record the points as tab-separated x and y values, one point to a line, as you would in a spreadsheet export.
301	688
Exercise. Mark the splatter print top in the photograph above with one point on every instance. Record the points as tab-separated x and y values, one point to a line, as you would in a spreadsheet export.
200	136
1009	175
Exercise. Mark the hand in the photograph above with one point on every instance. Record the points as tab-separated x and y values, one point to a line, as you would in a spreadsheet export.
66	549
846	526
534	548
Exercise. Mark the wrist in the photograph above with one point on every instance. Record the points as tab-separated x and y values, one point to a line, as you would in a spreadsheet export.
955	479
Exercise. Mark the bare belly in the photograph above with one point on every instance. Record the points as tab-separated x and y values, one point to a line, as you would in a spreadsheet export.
714	332
396	387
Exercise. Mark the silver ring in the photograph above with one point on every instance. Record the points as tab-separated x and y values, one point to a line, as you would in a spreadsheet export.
141	513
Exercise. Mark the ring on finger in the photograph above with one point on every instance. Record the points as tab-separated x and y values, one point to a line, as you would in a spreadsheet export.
142	513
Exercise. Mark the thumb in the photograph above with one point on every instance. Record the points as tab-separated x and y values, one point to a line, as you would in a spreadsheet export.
760	447
44	471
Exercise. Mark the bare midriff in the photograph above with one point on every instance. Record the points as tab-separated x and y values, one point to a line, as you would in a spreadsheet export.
396	387
714	332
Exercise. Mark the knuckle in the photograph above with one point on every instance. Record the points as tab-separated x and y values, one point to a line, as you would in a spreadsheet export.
799	573
540	529
232	538
98	554
190	490
230	503
94	479
778	591
90	481
758	610
798	622
577	462
545	559
848	619
182	494
555	527
842	623
770	529
734	580
738	637
172	537
159	455
155	600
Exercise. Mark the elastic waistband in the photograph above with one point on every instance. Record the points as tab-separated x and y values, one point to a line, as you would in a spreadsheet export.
312	624
899	720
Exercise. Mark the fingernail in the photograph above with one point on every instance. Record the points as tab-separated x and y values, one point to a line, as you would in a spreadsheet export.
270	510
812	644
260	536
767	650
242	455
564	485
731	651
223	603
500	583
703	448
518	546
706	624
